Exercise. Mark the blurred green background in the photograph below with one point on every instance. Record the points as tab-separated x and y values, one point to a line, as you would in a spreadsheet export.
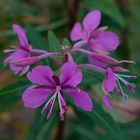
18	123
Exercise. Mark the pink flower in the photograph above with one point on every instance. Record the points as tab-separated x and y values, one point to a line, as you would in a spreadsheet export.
110	68
97	39
50	87
21	55
113	79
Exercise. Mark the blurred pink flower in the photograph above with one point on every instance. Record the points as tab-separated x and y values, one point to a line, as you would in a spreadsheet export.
21	55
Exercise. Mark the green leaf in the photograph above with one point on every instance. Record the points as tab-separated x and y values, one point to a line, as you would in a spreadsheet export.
82	132
37	41
66	42
15	87
53	42
10	94
41	128
131	129
99	117
108	7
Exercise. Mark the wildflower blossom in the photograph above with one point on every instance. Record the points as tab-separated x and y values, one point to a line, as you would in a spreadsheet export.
21	55
113	80
98	39
51	87
111	70
48	87
116	81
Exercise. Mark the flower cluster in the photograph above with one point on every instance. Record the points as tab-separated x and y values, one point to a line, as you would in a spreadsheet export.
48	86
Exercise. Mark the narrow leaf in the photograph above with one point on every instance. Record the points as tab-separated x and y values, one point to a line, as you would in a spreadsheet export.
15	87
102	119
41	128
53	42
66	42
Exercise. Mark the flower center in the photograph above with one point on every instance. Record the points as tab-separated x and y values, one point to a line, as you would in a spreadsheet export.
56	80
62	104
25	49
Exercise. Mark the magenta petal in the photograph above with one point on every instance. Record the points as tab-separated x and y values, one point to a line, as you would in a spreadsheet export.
97	62
102	60
26	61
7	60
97	31
15	69
21	35
71	75
69	57
33	98
106	41
118	69
105	58
41	75
76	33
91	21
109	82
107	102
93	67
18	54
80	98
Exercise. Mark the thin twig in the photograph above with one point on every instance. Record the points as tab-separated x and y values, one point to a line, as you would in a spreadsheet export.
60	130
73	12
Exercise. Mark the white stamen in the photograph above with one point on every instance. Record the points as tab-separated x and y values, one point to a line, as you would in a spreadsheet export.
127	76
124	95
8	50
51	100
61	107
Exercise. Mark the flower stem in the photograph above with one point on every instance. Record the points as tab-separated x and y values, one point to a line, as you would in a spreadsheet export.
73	12
60	129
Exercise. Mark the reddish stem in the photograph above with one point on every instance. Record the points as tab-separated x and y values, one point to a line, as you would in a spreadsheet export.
60	130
